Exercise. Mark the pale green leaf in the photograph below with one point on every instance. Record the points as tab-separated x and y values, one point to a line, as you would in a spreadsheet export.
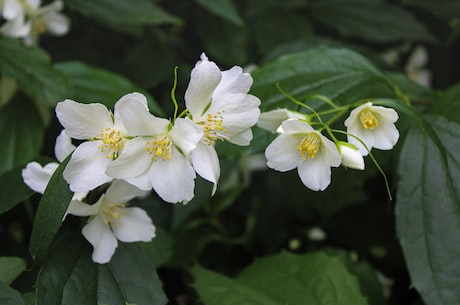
428	210
10	268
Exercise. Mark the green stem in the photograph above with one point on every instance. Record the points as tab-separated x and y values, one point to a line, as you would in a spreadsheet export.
173	94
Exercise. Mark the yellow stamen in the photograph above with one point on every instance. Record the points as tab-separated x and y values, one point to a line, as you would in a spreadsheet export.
111	213
38	27
213	128
309	145
160	148
368	119
112	142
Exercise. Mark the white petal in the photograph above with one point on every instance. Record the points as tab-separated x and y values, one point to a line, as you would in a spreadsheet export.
293	126
242	139
329	152
79	208
185	135
133	162
83	121
86	168
206	163
385	114
142	181
133	226
204	79
271	120
12	9
101	237
173	179
385	137
138	120
233	81
63	146
315	174
364	135
127	98
16	28
282	154
56	23
37	177
121	192
351	157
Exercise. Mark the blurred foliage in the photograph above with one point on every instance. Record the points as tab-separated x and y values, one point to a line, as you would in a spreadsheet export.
253	242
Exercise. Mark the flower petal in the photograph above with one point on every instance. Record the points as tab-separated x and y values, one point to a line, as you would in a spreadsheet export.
233	81
63	146
83	121
16	27
315	174
12	9
142	181
37	177
56	23
185	135
293	126
282	154
206	163
121	192
242	139
133	226
271	120
386	137
204	79
173	179
133	162
79	208
86	168
101	238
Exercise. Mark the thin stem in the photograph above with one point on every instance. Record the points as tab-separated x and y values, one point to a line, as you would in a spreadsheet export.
173	93
324	99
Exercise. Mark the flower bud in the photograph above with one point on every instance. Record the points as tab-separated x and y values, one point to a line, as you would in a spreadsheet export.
351	157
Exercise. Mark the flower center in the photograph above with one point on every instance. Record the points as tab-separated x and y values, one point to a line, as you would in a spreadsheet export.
368	119
160	148
213	128
309	145
38	27
112	142
111	213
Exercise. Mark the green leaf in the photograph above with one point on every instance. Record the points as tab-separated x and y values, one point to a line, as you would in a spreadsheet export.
13	190
69	276
9	296
282	279
21	134
446	9
50	212
448	104
340	74
10	268
94	85
222	8
32	68
372	20
123	14
428	210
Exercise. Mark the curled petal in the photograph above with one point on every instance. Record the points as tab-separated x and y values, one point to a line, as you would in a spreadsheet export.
121	192
206	163
101	238
271	120
185	135
233	81
63	147
137	118
134	225
37	177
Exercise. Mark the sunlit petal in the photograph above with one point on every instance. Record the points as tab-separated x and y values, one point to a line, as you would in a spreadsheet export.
102	239
134	225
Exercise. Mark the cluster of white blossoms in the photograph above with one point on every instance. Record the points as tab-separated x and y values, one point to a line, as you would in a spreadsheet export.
27	19
300	146
137	151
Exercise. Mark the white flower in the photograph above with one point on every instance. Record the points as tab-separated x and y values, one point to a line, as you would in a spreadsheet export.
105	133
351	157
219	104
12	9
302	147
374	125
113	221
271	120
157	156
16	27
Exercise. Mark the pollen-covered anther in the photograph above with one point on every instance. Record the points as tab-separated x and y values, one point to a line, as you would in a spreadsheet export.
160	148
309	145
111	214
368	119
213	128
112	142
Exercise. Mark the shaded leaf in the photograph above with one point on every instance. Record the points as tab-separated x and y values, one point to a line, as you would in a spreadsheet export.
21	135
448	104
50	212
95	85
222	8
13	190
427	211
282	279
372	20
9	296
33	70
446	9
10	268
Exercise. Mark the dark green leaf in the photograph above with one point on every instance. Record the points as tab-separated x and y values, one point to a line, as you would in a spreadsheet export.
21	134
159	250
428	211
32	68
122	14
50	212
12	189
282	279
340	74
69	276
448	104
372	20
222	8
446	9
94	85
9	296
10	268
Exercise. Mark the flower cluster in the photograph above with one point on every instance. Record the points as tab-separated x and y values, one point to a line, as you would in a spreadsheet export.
137	151
27	19
300	146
